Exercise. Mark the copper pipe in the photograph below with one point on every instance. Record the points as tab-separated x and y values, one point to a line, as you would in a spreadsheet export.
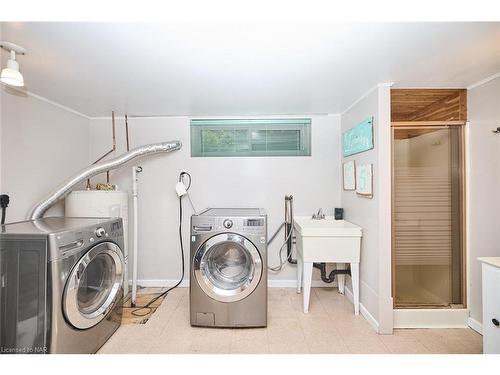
126	131
114	131
110	151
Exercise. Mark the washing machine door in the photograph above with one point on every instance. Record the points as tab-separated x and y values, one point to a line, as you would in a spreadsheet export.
93	285
227	267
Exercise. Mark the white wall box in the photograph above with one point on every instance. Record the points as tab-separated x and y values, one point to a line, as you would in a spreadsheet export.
491	305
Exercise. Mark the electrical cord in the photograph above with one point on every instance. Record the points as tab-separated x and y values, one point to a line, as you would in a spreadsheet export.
163	294
276	233
282	263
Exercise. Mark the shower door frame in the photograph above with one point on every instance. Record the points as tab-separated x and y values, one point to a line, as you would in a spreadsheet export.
461	125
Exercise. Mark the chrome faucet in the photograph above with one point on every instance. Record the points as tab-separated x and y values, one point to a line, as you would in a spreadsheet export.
319	215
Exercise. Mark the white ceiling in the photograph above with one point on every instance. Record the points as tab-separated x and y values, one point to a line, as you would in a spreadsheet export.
243	69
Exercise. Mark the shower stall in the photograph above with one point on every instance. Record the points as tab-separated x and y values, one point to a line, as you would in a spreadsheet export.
428	216
428	203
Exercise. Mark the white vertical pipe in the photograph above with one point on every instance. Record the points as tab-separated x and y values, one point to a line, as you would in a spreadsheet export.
135	180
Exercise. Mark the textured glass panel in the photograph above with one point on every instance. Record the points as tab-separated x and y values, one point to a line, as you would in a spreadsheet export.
282	140
426	217
240	137
224	140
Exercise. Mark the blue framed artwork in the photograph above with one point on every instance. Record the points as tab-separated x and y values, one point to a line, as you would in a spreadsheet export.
359	138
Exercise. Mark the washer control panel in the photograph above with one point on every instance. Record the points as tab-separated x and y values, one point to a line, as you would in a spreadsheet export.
71	242
251	226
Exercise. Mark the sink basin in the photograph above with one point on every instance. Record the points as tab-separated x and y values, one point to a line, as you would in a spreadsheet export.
308	227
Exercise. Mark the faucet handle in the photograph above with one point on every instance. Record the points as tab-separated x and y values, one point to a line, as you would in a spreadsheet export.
319	214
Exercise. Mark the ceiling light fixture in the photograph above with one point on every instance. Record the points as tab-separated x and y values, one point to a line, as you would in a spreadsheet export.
11	75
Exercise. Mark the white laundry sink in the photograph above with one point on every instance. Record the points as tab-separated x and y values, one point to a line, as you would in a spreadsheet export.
308	227
330	241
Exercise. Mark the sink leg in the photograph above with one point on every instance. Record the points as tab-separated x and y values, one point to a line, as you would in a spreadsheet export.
299	272
355	286
307	277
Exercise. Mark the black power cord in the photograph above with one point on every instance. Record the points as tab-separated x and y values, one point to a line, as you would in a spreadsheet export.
4	203
148	305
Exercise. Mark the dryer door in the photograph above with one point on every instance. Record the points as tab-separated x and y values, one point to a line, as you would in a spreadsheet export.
93	285
227	267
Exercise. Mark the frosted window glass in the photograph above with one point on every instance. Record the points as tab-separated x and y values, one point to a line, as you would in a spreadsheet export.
252	137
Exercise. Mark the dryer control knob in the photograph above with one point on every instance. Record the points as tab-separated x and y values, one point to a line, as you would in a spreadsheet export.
227	223
99	232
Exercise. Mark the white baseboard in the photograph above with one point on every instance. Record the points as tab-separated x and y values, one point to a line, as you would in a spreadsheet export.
270	283
363	310
293	284
475	325
431	318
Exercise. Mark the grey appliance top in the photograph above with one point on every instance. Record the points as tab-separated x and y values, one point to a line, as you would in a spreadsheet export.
228	212
49	225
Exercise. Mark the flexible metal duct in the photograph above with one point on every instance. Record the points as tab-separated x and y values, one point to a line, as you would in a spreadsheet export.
39	210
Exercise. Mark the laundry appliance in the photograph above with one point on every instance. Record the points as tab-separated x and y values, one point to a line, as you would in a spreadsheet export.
228	285
61	284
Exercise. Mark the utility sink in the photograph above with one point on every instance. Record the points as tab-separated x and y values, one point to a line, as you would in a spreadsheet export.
328	227
329	241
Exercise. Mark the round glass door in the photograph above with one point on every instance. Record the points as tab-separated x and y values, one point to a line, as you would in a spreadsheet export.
93	285
227	267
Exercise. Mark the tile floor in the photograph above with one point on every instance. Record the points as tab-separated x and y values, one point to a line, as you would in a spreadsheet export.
330	327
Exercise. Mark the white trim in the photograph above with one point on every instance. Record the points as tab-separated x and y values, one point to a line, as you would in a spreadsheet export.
414	86
55	104
162	283
384	182
384	84
148	117
293	284
467	212
363	310
475	325
431	318
483	81
44	99
233	116
360	99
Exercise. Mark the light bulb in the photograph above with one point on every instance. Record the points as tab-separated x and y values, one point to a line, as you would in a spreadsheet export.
11	75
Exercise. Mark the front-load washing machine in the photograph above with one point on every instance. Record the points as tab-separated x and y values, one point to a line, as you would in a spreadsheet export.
228	284
61	284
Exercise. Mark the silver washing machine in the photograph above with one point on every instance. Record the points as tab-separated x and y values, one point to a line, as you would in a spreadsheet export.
228	284
61	284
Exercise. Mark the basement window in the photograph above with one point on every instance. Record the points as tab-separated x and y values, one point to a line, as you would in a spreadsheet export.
250	137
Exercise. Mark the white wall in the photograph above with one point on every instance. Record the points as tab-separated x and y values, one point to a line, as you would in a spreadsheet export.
373	215
224	182
41	145
484	184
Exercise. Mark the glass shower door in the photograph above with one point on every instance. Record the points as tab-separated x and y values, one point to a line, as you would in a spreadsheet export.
427	217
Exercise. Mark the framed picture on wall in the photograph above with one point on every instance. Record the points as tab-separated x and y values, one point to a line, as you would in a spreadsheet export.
359	138
349	175
364	180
